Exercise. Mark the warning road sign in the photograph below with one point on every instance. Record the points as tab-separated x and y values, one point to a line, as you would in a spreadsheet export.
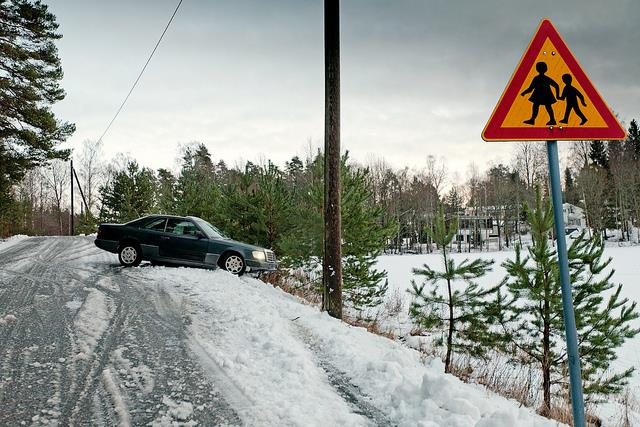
549	97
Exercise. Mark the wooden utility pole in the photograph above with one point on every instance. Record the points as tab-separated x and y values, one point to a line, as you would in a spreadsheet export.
332	260
71	231
86	207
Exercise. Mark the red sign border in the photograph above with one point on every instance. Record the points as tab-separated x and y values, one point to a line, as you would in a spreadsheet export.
493	131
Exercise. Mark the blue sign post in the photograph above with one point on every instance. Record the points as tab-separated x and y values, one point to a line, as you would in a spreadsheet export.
575	377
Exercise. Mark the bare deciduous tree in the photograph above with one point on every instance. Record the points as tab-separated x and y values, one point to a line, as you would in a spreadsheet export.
56	176
580	154
593	187
91	170
436	173
529	161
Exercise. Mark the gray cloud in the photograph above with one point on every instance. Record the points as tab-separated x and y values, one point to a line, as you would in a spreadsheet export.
246	77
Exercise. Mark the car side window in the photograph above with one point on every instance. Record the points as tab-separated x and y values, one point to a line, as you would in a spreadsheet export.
138	223
156	225
181	227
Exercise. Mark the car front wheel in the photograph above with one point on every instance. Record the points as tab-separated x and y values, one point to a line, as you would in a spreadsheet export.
234	264
129	255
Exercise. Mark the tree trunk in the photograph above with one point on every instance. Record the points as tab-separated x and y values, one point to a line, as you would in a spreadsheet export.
546	387
41	210
60	218
499	233
447	360
546	359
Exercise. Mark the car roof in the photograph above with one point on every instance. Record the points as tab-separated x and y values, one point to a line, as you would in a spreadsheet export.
170	216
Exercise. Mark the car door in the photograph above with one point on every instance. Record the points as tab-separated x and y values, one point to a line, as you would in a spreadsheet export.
152	232
184	242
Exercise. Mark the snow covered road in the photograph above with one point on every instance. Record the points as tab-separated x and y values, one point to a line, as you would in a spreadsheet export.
84	341
92	345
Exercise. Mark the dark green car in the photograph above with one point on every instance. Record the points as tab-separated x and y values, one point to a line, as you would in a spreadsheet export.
177	240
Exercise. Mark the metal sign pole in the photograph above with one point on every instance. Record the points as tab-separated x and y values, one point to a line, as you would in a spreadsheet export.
575	376
71	230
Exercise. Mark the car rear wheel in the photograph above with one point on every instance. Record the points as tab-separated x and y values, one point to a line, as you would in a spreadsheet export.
234	264
129	255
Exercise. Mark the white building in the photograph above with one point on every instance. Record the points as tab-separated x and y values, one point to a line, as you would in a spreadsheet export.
574	216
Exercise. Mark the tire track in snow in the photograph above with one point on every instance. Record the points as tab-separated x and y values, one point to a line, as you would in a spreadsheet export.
238	399
36	345
351	393
80	400
141	368
174	316
152	338
233	393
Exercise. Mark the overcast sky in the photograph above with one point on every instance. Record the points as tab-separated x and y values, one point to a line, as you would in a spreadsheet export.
246	77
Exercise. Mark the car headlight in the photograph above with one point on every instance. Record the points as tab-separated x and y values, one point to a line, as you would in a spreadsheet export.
259	255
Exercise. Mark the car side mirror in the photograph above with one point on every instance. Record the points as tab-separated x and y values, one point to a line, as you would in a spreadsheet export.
200	235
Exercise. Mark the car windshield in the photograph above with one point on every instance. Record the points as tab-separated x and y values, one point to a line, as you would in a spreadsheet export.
210	230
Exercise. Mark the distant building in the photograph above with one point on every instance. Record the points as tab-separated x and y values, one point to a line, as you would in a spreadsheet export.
477	228
488	225
574	217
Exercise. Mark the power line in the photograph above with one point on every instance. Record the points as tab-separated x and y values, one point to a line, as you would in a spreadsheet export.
141	72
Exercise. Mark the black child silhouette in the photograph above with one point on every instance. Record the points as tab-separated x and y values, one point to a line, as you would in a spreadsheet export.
571	94
541	87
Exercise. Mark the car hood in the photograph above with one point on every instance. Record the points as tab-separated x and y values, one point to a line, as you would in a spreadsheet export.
243	245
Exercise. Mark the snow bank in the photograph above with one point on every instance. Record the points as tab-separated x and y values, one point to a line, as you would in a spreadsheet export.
627	271
410	391
284	363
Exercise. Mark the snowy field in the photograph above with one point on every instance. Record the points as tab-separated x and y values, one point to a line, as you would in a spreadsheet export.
85	341
625	262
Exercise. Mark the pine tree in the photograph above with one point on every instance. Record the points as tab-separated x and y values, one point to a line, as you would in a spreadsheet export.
221	172
632	143
570	187
453	200
294	168
616	153
272	200
364	237
129	195
257	208
166	192
238	215
197	193
461	312
529	311
30	73
363	233
598	154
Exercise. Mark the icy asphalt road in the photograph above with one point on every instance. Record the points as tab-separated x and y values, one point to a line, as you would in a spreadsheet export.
92	345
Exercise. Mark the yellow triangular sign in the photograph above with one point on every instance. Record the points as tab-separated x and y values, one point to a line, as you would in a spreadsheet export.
549	97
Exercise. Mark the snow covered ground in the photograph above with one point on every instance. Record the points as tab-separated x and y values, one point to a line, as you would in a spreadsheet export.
625	262
302	362
89	342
